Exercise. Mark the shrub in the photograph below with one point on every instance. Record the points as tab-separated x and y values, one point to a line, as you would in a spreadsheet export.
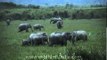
80	52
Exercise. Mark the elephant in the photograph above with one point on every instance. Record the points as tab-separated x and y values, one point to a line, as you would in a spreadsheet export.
24	27
79	35
38	27
8	22
39	38
54	20
26	42
59	38
59	24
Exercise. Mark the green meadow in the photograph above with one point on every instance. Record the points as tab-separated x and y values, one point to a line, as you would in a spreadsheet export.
94	48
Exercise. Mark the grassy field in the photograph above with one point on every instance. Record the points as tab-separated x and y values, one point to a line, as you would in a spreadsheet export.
10	38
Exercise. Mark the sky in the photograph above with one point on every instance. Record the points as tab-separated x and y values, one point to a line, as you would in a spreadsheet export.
56	2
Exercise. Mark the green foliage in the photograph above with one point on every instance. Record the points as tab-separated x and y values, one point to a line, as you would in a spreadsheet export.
9	5
33	6
87	53
46	13
5	5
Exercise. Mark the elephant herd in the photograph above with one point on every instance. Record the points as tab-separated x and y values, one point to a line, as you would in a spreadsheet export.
55	38
26	26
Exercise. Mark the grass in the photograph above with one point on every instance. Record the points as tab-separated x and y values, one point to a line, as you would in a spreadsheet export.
10	38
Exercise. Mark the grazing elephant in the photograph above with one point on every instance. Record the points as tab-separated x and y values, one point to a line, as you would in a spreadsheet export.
8	22
78	35
58	38
38	27
36	39
54	20
59	24
26	42
24	26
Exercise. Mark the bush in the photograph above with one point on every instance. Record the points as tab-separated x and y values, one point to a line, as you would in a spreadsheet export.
14	16
83	53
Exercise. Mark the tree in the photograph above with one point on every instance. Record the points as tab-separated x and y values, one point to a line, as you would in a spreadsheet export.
33	6
55	14
68	5
7	5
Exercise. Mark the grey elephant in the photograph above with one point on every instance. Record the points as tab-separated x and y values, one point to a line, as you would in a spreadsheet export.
79	35
38	27
59	24
39	38
8	22
59	38
54	20
24	27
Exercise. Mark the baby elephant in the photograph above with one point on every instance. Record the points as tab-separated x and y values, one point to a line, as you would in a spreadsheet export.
36	39
78	35
59	24
58	38
24	26
38	27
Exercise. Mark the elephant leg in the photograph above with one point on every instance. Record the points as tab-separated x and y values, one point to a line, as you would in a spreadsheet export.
65	43
73	40
27	30
35	42
50	43
43	42
20	30
8	23
39	29
86	38
31	42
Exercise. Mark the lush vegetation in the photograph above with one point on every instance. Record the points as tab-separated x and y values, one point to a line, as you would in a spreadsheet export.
19	12
93	49
44	13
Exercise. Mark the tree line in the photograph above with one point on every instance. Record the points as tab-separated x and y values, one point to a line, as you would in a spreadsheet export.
7	5
35	12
